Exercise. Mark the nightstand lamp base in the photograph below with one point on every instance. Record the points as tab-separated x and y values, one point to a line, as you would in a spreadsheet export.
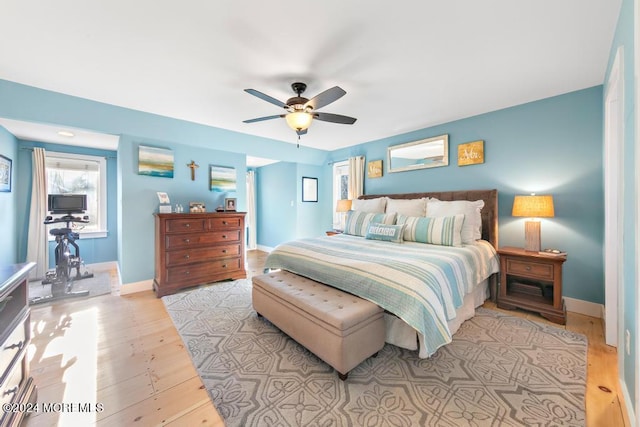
532	236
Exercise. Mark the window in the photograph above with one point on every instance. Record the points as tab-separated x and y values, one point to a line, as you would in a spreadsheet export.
81	174
340	189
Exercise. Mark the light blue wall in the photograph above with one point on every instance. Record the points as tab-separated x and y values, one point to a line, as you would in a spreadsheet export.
92	250
9	250
282	214
550	146
313	218
139	200
624	38
276	200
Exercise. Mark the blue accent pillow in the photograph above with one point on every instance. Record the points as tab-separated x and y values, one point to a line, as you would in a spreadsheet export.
388	233
358	221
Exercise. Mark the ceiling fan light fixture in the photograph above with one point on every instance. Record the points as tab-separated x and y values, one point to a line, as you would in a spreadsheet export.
299	120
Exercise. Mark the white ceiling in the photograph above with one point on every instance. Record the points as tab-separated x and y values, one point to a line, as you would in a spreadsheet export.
405	65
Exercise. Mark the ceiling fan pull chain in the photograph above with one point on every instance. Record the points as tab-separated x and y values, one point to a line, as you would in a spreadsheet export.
298	145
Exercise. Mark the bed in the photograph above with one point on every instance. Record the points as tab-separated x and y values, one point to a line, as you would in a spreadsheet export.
427	290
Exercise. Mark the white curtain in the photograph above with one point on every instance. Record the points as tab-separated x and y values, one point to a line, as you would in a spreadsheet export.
356	177
38	245
252	242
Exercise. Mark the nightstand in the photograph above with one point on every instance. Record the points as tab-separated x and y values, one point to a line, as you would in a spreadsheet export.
532	281
333	232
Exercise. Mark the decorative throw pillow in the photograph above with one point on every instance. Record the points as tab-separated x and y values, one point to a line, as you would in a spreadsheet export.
445	230
388	233
369	205
472	227
358	221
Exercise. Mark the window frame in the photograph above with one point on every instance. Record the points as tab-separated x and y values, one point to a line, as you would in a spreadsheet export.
102	230
337	216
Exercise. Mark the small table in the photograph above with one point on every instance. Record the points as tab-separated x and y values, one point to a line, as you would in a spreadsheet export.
532	281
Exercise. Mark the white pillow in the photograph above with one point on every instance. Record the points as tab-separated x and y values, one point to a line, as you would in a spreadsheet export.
407	207
472	226
369	205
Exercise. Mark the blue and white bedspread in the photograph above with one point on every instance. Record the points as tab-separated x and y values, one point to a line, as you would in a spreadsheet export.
421	284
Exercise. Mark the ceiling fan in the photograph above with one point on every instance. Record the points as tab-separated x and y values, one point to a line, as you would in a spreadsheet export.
301	111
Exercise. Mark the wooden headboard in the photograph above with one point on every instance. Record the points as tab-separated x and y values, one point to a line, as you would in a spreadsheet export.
489	212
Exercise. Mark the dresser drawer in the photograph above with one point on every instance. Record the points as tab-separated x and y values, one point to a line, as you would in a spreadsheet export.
189	256
178	241
10	387
193	273
232	222
11	347
185	225
537	270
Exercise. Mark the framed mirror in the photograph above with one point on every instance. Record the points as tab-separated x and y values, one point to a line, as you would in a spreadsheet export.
426	153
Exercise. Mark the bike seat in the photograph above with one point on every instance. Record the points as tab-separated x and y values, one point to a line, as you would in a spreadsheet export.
59	231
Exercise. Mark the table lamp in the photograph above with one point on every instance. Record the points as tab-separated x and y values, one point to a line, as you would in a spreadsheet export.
343	206
533	207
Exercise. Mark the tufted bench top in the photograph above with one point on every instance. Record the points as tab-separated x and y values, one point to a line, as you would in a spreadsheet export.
339	309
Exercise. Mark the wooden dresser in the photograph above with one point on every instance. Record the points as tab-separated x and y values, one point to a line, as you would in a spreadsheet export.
17	391
197	248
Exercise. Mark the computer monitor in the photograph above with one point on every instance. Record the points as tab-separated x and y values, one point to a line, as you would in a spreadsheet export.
67	203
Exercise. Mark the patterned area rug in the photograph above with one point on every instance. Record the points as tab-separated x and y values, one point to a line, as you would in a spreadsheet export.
499	370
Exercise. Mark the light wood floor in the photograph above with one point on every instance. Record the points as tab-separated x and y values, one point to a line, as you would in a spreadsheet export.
125	354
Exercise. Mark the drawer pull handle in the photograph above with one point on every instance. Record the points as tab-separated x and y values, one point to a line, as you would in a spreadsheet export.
187	225
224	236
187	241
12	390
186	256
224	222
17	345
186	273
224	251
528	268
224	265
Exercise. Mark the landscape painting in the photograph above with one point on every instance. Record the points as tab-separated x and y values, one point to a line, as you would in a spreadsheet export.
222	179
155	161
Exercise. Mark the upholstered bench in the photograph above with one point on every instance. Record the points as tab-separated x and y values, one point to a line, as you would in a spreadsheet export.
339	328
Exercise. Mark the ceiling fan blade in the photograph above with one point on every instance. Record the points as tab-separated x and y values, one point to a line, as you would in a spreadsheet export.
326	97
266	97
334	118
259	119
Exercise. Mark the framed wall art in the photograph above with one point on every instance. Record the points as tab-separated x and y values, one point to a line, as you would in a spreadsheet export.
5	174
309	189
222	179
471	153
154	161
374	169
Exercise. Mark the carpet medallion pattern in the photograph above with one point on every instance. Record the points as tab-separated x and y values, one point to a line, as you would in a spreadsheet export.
499	370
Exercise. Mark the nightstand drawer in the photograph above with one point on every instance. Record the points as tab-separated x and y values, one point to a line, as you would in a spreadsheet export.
529	268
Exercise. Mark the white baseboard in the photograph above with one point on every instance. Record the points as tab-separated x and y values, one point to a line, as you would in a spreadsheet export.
584	307
265	248
132	288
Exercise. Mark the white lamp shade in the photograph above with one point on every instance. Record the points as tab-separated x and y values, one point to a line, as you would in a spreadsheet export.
298	120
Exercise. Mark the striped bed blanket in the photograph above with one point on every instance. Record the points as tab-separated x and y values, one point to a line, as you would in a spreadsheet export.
422	284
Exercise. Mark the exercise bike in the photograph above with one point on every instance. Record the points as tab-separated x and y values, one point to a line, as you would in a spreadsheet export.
62	278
